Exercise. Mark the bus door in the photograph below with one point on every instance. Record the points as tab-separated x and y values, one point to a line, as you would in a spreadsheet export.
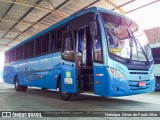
84	52
99	70
68	67
84	59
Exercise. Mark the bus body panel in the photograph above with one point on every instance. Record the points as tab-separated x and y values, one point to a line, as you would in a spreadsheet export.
69	77
9	74
122	88
111	86
41	71
45	70
100	80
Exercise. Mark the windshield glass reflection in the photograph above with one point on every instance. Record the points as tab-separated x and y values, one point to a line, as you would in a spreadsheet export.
119	40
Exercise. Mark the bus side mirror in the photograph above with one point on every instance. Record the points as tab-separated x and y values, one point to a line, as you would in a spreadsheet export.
93	28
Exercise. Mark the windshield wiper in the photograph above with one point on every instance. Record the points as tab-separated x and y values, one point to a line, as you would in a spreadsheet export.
142	50
130	45
136	41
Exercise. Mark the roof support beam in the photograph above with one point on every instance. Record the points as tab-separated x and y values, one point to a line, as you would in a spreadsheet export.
46	16
7	12
36	23
24	22
62	4
118	7
29	4
7	39
143	6
115	6
21	19
90	4
27	29
25	34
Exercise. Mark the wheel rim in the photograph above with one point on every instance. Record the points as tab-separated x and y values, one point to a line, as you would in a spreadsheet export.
65	94
16	84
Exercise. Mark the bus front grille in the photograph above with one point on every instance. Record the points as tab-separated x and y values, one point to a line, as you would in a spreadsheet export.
134	85
139	73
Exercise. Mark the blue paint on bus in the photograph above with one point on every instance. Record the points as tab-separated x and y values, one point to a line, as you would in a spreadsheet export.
46	70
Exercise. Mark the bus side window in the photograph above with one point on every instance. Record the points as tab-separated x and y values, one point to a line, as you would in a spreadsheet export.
21	48
38	46
6	57
31	48
14	55
98	46
68	49
52	40
26	49
45	43
17	53
58	38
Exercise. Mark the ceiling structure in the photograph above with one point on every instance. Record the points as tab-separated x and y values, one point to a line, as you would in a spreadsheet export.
21	19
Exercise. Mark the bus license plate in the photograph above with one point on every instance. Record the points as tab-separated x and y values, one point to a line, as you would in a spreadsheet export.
141	83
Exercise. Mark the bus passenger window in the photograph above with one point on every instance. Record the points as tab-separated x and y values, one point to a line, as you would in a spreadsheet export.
7	57
45	43
20	53
31	49
38	46
98	47
17	53
13	54
59	39
68	51
52	40
26	49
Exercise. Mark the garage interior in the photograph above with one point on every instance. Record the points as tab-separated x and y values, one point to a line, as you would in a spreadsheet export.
21	19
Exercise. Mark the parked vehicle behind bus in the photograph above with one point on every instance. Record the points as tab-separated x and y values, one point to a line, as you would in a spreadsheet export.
156	58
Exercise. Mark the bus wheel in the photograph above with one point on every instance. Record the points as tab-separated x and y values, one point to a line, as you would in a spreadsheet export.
65	95
44	88
17	86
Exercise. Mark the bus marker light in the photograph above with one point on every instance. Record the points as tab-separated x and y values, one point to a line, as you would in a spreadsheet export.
141	83
99	74
97	82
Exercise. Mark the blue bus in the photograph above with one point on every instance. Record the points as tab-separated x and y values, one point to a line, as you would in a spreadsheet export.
93	51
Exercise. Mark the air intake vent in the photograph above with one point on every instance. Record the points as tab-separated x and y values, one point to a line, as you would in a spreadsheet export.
138	72
144	69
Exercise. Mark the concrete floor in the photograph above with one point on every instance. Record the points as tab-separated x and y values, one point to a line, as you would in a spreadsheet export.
45	100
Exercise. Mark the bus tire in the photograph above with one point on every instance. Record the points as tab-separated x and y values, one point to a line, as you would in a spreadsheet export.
65	95
73	97
44	88
17	86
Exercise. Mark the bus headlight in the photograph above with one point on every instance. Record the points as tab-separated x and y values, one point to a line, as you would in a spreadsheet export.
117	74
152	75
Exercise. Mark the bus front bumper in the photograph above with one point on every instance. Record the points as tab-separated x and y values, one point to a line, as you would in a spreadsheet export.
128	87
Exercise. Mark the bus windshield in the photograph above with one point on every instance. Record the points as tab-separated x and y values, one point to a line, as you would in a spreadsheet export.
120	43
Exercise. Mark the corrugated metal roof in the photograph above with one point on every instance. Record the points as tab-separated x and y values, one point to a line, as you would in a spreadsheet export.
21	19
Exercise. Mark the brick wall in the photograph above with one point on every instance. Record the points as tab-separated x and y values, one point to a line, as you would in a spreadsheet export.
153	35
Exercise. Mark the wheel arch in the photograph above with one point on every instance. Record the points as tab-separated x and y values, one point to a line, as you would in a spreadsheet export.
15	76
58	80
